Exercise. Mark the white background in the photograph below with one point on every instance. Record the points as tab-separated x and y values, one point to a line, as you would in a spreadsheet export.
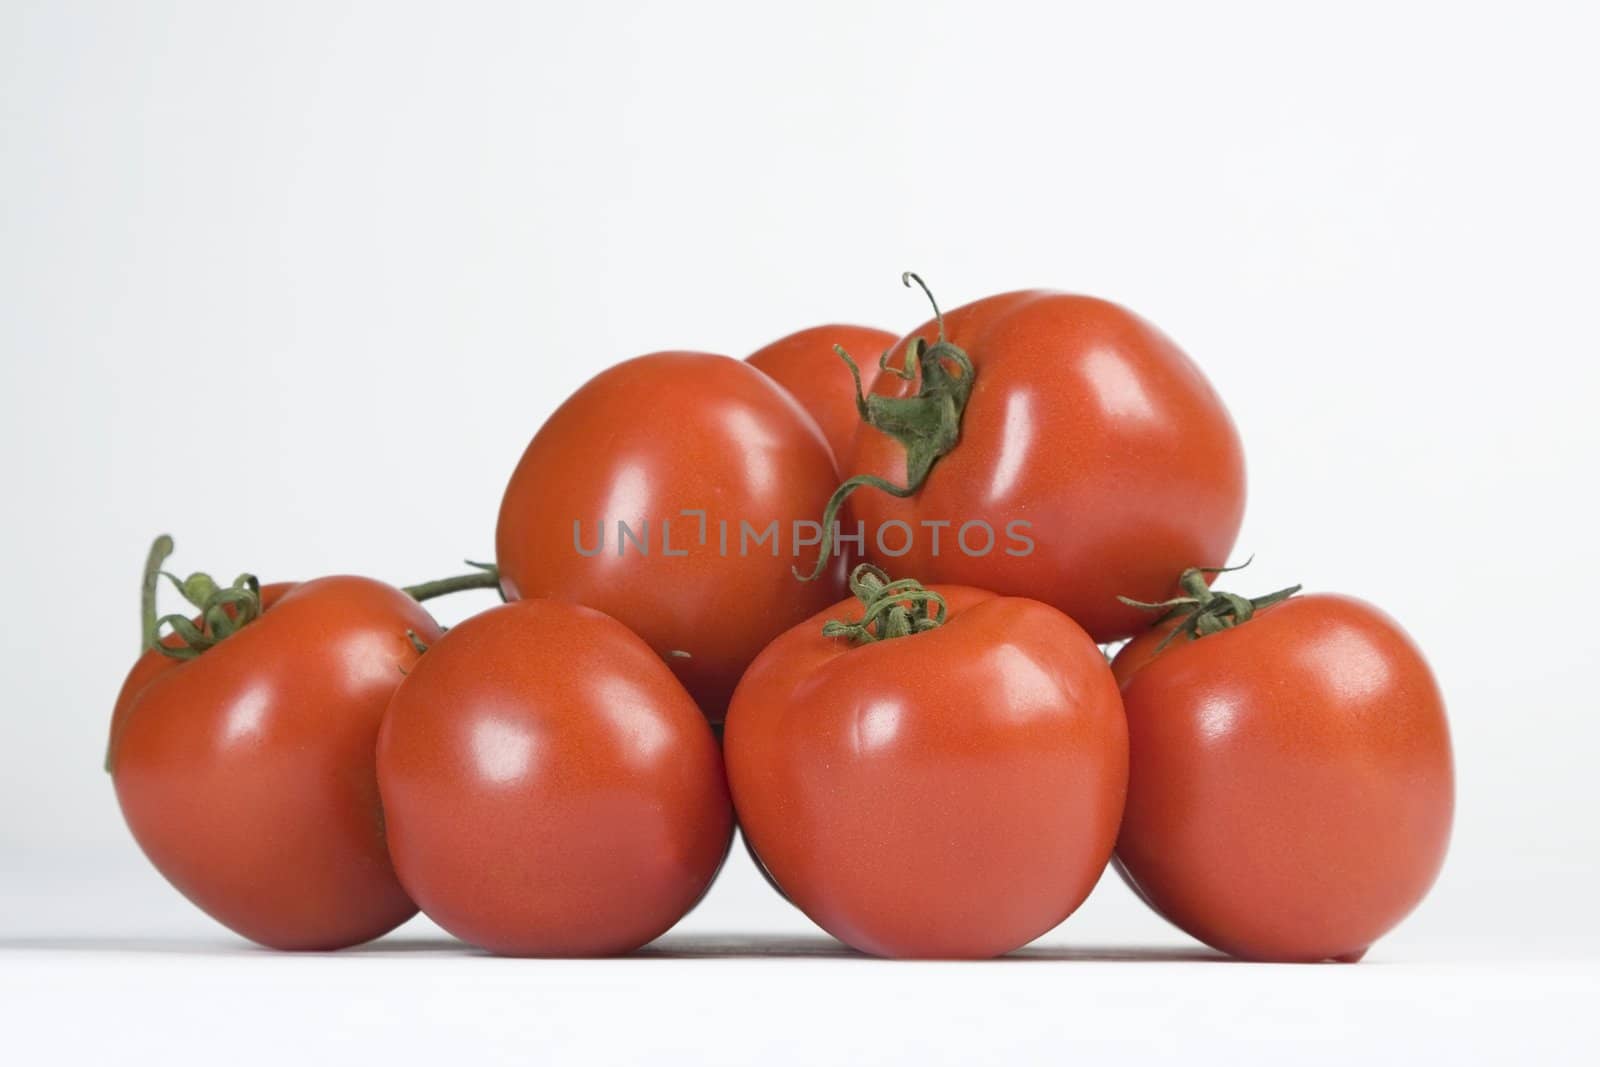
297	282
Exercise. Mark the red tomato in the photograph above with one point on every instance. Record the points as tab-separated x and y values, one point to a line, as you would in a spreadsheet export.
643	443
950	793
551	789
247	774
1087	425
1291	787
806	365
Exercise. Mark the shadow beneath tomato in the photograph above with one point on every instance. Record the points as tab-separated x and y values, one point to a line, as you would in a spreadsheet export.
746	946
178	946
713	946
669	947
410	946
223	946
1104	954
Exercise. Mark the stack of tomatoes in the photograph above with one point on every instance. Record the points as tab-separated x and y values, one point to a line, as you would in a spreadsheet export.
858	611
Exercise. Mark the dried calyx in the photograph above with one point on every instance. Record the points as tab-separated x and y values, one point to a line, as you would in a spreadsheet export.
1203	611
891	608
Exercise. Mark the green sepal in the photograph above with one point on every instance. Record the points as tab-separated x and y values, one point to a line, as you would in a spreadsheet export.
1206	611
893	608
927	424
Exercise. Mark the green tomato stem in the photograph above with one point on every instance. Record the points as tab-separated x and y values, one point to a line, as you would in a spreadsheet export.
486	576
927	424
892	608
1204	611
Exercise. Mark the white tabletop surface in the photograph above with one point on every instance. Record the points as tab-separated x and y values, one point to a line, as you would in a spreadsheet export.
123	971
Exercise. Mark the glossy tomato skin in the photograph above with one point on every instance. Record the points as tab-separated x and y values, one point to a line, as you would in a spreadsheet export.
641	443
806	365
1145	646
551	788
1092	427
247	775
952	794
1292	787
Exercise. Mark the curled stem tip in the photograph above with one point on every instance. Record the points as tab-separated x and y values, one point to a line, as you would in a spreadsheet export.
1203	611
906	279
890	608
160	549
1251	558
927	424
